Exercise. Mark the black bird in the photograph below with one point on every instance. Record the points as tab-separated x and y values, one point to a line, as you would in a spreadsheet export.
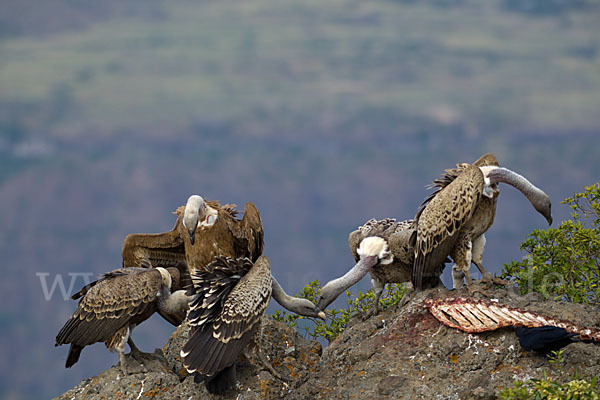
545	339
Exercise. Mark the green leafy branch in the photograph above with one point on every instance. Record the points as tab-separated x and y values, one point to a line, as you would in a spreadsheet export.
338	318
548	389
564	262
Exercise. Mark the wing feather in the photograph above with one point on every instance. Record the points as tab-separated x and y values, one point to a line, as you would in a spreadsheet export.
249	233
160	249
217	341
442	217
110	304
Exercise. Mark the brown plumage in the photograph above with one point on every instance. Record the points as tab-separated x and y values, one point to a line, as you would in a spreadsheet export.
112	306
157	249
225	236
397	235
452	220
391	259
230	296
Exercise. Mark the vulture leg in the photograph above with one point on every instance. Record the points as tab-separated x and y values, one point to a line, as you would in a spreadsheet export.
378	287
254	348
139	355
121	350
458	277
478	246
486	277
462	256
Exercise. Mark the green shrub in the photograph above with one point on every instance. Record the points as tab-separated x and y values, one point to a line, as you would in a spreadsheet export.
338	318
577	389
564	262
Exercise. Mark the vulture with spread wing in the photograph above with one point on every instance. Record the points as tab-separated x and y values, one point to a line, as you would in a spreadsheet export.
203	231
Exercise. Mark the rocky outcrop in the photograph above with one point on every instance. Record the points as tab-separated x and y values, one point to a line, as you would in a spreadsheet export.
404	352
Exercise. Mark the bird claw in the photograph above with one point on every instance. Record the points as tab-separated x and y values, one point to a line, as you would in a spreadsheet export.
493	280
142	357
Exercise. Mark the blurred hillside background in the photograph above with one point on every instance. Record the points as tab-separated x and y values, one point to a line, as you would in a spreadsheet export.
322	113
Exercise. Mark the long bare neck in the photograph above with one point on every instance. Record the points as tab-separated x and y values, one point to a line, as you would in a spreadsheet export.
294	304
335	287
536	196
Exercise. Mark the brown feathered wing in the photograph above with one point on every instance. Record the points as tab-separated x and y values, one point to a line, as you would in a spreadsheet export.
231	296
118	298
440	219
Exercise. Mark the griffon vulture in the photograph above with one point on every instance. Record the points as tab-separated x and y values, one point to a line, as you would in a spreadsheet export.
381	248
453	220
203	231
229	298
112	306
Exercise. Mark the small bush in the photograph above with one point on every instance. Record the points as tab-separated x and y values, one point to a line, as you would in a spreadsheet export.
338	318
577	389
564	262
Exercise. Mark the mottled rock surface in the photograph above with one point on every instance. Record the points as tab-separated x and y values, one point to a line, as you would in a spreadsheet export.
402	353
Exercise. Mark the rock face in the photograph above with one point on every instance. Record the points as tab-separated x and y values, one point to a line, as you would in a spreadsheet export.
165	377
404	352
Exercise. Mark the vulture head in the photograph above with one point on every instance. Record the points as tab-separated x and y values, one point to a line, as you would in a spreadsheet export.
197	214
373	250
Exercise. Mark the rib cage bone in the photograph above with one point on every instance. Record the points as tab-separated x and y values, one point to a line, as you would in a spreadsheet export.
474	316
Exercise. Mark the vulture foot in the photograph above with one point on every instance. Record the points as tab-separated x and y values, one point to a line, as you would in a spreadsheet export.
141	357
255	349
493	280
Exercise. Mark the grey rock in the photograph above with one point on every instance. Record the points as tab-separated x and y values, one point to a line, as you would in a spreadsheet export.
403	353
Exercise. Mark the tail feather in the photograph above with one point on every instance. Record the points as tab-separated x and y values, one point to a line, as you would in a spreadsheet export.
73	356
222	381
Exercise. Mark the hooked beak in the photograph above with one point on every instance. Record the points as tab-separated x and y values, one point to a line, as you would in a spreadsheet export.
320	314
192	236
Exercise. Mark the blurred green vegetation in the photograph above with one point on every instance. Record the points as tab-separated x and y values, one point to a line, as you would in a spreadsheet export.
547	389
263	68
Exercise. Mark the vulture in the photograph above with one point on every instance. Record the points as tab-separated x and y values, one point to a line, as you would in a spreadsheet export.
452	221
116	303
215	232
231	288
381	248
203	231
229	297
164	250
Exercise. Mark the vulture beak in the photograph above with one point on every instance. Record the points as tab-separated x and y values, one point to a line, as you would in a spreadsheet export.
321	314
195	209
